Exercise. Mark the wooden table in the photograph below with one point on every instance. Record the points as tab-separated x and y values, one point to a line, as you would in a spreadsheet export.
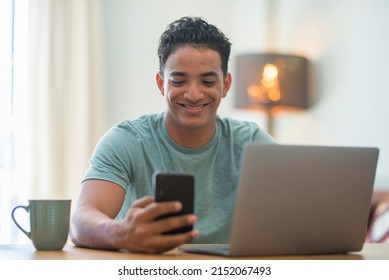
370	251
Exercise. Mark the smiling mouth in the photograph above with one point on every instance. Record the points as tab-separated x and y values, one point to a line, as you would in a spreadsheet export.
193	107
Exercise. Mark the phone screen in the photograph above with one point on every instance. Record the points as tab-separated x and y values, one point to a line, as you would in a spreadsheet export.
175	187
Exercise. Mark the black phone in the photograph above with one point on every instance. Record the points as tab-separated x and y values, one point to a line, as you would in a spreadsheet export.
175	187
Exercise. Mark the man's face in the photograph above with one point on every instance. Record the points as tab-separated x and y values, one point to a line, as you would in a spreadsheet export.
193	86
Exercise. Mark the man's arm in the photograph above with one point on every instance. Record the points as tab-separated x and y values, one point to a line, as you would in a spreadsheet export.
93	221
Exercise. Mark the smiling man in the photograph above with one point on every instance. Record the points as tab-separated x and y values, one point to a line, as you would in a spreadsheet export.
193	84
116	207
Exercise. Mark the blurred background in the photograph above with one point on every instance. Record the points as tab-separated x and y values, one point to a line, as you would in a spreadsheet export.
71	69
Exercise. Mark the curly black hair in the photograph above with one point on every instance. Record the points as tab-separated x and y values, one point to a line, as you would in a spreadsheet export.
196	32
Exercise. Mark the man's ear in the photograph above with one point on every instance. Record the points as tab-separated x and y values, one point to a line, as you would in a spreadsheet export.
227	84
160	83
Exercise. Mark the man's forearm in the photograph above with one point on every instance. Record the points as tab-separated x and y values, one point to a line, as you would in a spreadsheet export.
91	228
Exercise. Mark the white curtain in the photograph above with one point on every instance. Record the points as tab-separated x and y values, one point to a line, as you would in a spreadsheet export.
66	90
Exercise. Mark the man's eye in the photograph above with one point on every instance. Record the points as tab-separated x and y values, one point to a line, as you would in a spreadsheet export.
177	83
208	83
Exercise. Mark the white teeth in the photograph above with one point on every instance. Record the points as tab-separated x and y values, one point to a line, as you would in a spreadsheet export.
193	108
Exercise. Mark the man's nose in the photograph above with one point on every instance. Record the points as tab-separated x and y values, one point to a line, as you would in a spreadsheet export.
194	93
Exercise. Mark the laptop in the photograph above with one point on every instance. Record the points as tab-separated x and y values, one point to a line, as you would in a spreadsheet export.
294	200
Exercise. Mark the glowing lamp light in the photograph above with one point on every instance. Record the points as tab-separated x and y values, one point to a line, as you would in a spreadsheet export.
269	81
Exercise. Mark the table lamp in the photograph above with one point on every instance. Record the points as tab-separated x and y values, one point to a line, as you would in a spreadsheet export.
271	82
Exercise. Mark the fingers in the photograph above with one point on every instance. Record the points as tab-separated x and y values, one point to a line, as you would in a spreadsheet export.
167	224
143	202
148	237
145	211
143	232
155	210
167	242
152	210
148	217
162	243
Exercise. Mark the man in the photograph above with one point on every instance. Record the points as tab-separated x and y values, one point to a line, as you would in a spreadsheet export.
116	208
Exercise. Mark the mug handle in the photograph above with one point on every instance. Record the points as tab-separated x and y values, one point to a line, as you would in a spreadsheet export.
17	224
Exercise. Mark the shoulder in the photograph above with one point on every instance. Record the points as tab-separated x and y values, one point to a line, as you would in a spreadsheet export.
137	127
229	123
130	132
143	123
246	130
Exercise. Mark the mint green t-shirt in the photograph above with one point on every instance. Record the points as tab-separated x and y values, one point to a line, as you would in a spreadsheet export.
130	152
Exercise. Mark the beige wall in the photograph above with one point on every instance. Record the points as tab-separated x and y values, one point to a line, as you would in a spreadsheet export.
346	41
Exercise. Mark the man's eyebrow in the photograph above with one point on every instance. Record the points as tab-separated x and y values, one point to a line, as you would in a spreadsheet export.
209	74
177	74
183	74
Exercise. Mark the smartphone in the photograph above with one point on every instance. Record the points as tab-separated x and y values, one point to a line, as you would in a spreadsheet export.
177	187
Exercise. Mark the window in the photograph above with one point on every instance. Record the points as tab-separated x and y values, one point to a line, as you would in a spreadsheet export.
14	155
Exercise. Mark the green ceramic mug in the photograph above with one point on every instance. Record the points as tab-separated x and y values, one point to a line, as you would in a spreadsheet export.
49	223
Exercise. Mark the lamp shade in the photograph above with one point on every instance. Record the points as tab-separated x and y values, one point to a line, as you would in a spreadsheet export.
270	80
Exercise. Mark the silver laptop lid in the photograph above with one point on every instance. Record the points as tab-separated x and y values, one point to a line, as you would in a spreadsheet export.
302	199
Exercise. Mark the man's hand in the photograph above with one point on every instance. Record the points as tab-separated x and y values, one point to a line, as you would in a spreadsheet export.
94	225
140	232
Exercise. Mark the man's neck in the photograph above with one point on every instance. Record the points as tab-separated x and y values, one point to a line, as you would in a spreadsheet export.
191	138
